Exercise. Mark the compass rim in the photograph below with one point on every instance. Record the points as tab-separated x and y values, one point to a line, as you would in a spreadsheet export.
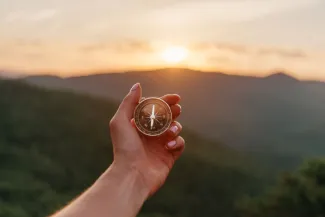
169	111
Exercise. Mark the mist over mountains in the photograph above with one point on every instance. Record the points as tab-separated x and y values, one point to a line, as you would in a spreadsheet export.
277	113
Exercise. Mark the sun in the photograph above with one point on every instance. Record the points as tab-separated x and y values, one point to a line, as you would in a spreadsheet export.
174	54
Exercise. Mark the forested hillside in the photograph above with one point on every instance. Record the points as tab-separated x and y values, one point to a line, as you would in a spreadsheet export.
54	144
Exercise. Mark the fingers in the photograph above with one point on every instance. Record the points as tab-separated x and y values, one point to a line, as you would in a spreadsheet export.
174	130
124	114
176	110
130	101
175	144
171	99
176	147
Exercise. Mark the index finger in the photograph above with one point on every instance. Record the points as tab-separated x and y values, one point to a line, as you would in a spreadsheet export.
171	99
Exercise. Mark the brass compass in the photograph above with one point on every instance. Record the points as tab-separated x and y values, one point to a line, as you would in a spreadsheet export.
152	116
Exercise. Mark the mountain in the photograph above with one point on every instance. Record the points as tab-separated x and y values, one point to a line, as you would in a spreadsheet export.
280	77
277	113
9	74
54	144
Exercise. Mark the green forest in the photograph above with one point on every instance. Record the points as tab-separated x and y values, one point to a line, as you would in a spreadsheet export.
54	144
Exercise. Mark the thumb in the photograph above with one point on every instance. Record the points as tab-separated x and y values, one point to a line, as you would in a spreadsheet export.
130	101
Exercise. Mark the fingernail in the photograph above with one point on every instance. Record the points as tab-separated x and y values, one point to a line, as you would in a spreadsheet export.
171	144
134	87
174	129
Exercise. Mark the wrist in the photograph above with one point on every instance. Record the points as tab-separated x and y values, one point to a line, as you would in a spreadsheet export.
129	177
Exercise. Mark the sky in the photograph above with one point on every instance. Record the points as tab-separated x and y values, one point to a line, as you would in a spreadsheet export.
249	37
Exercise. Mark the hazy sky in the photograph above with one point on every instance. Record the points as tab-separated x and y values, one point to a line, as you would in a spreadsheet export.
244	36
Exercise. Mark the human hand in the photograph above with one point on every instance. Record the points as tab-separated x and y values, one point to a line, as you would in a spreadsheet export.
151	157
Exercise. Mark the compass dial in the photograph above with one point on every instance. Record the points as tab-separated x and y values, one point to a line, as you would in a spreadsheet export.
153	117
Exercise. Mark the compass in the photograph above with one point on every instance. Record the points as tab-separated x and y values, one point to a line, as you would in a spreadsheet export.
152	116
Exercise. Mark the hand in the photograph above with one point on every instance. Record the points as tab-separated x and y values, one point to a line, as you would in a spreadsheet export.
151	157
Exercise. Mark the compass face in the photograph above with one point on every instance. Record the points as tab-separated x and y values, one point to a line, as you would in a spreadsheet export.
153	116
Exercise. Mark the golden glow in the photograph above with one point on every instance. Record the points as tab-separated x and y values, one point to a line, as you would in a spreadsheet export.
174	54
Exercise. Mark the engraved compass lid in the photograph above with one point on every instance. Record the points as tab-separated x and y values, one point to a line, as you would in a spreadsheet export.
152	116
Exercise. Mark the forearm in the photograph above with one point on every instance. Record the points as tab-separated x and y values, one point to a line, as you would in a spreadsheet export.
119	192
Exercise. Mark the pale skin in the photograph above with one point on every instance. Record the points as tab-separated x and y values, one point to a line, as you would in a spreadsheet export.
140	167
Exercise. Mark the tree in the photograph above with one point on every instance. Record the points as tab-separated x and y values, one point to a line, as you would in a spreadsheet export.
299	194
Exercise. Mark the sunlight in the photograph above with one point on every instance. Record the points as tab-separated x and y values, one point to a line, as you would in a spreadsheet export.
174	54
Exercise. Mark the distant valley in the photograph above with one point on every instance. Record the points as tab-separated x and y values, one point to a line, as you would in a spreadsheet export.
277	113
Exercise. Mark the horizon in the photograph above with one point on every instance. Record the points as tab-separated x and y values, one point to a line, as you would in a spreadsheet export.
105	72
251	38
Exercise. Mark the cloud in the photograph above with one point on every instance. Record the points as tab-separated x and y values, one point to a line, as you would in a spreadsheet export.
21	42
218	59
240	49
24	47
127	46
232	47
31	16
221	46
33	55
282	53
200	12
45	14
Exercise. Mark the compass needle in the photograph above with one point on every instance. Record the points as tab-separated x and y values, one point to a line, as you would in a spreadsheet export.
151	124
152	117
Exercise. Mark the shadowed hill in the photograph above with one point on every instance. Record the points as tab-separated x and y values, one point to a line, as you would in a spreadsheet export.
277	113
281	77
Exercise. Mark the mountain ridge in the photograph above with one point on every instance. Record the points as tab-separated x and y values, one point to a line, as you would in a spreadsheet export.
258	113
170	70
